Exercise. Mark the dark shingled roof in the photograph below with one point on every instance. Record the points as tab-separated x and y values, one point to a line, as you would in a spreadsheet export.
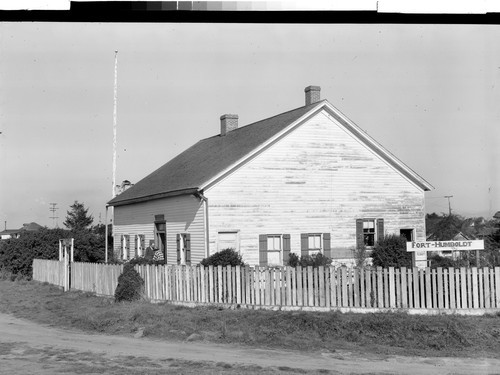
188	171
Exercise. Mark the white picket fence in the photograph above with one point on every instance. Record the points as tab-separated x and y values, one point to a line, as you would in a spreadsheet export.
463	290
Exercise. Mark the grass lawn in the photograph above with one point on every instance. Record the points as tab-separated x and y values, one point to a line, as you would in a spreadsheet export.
384	333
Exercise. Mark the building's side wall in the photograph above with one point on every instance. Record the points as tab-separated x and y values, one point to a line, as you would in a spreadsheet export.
183	214
319	178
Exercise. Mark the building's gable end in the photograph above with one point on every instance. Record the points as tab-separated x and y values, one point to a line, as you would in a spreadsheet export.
261	148
375	147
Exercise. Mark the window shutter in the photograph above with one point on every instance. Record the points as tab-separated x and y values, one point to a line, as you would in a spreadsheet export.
122	253
380	229
188	249
359	233
143	243
127	246
136	245
262	250
178	248
327	248
286	248
304	244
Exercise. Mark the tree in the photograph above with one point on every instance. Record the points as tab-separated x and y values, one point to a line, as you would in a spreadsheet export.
17	254
77	218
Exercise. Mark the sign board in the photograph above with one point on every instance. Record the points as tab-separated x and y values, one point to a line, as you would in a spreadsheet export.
444	245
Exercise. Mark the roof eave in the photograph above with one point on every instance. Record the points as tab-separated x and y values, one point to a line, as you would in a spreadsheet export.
116	202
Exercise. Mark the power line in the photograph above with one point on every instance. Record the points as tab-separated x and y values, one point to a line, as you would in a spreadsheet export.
54	218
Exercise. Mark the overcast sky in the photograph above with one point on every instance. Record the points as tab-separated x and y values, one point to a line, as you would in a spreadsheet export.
430	94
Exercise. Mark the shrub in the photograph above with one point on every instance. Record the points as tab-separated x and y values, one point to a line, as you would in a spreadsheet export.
293	260
130	285
446	262
314	260
226	257
391	252
143	260
360	255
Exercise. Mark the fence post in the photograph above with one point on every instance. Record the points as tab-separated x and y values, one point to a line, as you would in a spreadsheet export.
475	295
333	287
392	289
497	287
380	288
487	294
404	288
439	295
480	280
452	286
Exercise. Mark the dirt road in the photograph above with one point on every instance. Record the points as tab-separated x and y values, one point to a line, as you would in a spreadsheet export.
30	348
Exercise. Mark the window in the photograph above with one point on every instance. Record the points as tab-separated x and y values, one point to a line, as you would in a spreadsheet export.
139	245
274	249
125	246
183	248
313	243
228	240
369	231
407	233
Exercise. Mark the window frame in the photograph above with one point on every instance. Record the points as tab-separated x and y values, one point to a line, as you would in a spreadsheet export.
371	234
314	250
235	231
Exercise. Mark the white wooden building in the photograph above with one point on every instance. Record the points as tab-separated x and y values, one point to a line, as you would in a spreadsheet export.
303	181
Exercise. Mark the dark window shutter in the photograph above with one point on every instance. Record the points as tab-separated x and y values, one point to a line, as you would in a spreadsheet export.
127	246
304	244
178	248
136	245
380	229
143	243
327	247
286	248
188	249
122	237
262	250
359	233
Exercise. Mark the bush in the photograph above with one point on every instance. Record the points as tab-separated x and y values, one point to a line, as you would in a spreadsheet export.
17	254
360	255
446	262
391	252
142	260
130	285
227	257
314	260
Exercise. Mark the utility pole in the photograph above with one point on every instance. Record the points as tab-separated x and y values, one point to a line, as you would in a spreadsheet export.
449	203
54	218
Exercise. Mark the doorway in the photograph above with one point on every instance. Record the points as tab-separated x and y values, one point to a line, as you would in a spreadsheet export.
161	235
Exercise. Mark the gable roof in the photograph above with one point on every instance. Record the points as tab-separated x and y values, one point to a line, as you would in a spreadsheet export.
192	170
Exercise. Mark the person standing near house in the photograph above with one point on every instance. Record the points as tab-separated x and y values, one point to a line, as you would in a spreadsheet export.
150	250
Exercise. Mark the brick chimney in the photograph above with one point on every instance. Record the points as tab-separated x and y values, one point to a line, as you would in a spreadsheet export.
312	94
228	123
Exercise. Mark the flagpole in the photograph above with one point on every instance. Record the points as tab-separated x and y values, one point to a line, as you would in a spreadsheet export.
113	187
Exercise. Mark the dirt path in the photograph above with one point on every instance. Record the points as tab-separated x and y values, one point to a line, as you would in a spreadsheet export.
30	348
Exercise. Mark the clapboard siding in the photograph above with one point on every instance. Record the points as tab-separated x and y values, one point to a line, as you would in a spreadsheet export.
319	178
183	214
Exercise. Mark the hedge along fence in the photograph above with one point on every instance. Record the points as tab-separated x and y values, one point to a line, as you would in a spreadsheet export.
472	290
